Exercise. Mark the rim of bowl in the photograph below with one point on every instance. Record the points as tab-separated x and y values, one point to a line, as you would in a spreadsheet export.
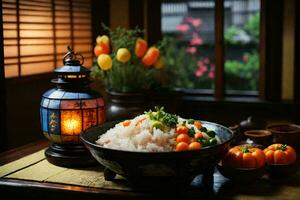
261	133
272	127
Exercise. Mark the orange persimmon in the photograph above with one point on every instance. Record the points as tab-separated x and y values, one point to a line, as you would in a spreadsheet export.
280	154
244	157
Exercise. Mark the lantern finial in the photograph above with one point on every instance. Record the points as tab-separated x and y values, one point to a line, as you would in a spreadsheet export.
72	57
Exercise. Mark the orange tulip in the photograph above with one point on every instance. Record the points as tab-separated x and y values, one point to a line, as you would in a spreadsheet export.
140	47
151	56
101	48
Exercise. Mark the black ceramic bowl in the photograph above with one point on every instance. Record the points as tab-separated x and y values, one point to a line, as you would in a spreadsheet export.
143	166
279	171
242	175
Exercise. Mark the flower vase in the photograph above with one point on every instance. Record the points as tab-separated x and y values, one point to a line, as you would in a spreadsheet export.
124	105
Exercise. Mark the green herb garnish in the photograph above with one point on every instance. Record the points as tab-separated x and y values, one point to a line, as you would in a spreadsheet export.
191	121
160	115
191	132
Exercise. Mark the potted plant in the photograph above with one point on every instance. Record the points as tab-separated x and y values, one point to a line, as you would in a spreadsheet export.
127	68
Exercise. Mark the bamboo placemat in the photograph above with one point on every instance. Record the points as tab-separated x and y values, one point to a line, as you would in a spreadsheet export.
35	167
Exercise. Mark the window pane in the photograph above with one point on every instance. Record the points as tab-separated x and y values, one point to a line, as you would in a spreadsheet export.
241	35
188	33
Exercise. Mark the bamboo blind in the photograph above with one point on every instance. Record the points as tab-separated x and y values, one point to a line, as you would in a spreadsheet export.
37	33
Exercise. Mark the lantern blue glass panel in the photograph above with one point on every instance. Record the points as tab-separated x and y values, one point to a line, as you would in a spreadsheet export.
44	118
45	103
54	104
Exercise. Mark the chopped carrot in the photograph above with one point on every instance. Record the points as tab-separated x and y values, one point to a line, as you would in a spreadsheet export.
140	121
126	123
198	136
198	124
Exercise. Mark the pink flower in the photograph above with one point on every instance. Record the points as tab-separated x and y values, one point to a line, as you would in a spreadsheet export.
199	73
191	50
200	63
183	28
206	60
189	19
196	22
211	74
204	68
196	40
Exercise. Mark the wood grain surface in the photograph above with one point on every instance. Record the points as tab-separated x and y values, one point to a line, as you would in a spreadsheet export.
33	177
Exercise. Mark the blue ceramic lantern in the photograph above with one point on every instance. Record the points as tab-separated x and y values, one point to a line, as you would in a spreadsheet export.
68	110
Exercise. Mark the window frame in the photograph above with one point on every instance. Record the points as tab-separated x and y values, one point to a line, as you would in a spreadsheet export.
271	26
2	90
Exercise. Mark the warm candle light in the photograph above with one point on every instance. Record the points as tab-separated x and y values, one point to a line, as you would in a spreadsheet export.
71	125
71	122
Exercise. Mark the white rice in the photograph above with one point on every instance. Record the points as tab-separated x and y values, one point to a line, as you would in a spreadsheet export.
138	137
142	137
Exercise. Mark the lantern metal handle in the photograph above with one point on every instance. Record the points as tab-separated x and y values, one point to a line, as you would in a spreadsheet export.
72	55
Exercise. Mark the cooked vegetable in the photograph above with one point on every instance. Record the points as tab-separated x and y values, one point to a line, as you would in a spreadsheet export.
140	121
213	141
204	142
126	123
198	136
211	133
198	124
188	131
203	129
280	154
183	138
244	157
182	146
160	115
195	146
157	124
191	121
182	130
191	132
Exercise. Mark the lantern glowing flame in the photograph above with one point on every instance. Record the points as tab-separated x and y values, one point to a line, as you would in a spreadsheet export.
70	126
71	122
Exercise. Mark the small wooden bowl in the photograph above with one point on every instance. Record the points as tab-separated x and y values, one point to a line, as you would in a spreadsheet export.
279	171
286	133
242	175
262	137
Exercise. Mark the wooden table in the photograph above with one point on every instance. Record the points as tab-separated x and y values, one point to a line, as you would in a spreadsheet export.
25	173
